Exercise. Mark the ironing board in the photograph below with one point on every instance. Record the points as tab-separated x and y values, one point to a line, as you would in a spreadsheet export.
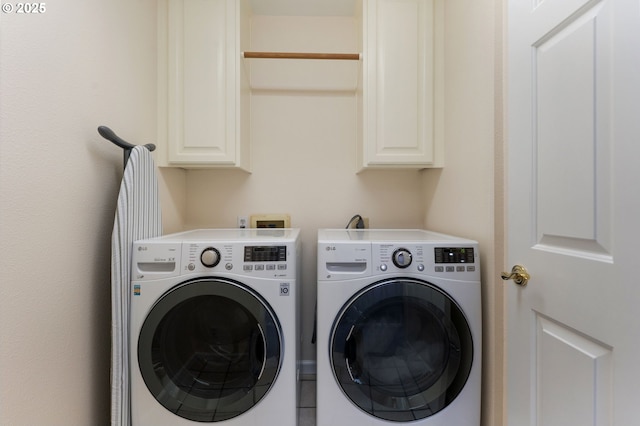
137	217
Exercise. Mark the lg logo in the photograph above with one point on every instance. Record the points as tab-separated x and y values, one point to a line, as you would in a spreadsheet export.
330	248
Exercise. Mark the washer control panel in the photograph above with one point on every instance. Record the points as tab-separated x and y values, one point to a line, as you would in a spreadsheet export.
266	261
210	257
267	254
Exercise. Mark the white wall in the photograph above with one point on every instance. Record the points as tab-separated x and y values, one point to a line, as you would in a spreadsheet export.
464	198
62	73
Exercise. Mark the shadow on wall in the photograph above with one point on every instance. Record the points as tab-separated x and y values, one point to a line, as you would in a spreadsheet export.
431	182
110	159
398	193
172	187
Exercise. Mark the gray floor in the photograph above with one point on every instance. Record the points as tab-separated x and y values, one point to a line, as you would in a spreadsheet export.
308	403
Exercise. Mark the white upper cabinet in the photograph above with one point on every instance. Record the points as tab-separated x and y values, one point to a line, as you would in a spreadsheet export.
206	83
397	100
205	113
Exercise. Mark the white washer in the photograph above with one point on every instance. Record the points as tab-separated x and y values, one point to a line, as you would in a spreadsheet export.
399	329
214	328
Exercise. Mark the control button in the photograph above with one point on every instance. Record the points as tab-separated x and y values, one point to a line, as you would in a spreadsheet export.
471	268
421	267
439	268
271	267
460	268
402	258
451	269
210	257
247	268
383	267
191	267
259	267
228	266
282	267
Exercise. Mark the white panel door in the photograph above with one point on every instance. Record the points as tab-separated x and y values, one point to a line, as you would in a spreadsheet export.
573	207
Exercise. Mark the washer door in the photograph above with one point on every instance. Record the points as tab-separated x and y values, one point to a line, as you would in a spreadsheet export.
210	349
401	349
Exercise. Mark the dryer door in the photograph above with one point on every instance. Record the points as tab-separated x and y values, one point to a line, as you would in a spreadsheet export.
401	349
210	349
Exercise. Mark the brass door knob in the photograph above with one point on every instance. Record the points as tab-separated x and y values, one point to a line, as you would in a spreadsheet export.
518	274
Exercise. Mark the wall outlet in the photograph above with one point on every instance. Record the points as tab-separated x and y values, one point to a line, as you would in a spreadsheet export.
243	221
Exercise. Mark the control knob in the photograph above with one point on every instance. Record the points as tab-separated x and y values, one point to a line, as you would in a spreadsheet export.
402	258
210	257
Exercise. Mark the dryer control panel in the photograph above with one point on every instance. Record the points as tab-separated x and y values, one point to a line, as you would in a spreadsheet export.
454	255
455	259
424	258
349	254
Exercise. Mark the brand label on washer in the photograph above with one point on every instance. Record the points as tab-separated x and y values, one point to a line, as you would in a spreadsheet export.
284	289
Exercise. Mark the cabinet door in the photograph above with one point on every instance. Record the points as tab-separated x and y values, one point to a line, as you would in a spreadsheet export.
398	84
203	78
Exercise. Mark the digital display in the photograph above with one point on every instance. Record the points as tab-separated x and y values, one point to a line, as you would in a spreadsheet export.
454	255
265	253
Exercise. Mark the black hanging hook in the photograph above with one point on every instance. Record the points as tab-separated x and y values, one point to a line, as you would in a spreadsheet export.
110	135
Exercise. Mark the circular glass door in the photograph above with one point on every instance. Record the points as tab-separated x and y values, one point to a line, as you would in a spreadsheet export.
210	349
401	349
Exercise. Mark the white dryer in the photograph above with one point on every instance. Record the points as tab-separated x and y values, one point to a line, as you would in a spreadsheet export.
399	329
214	326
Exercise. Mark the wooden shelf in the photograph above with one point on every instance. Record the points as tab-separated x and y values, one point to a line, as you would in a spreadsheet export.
302	55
